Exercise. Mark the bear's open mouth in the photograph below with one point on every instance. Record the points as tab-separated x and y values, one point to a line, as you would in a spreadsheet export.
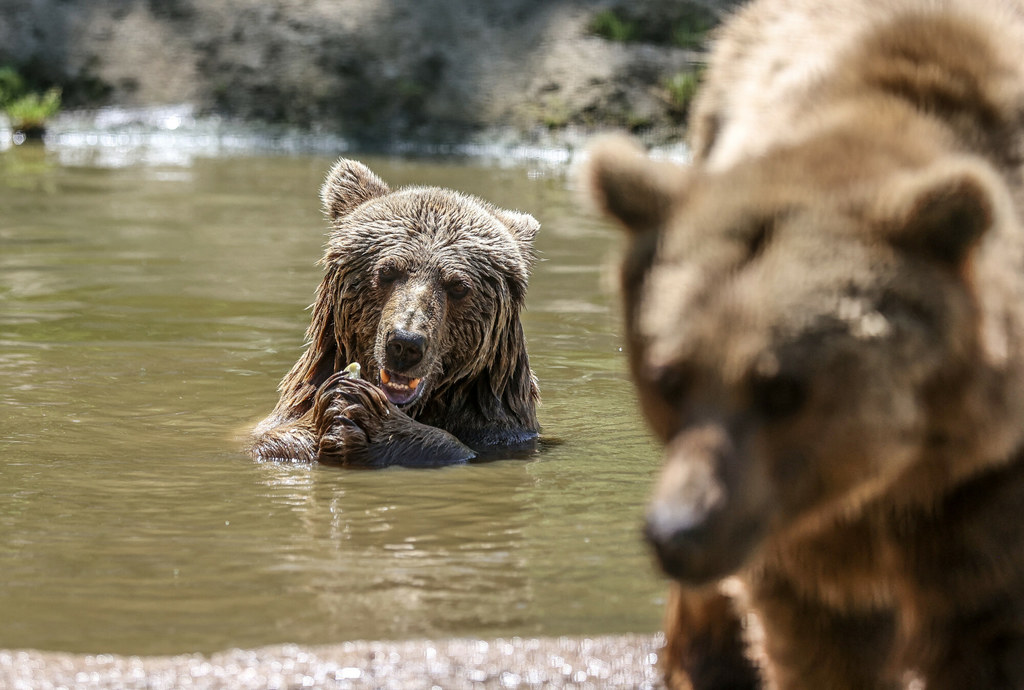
399	389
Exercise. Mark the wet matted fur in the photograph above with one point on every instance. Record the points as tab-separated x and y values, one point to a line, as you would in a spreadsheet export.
423	287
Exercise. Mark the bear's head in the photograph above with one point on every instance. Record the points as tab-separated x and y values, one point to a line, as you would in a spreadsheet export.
423	287
804	332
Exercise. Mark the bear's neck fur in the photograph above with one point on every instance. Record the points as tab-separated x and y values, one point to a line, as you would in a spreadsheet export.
496	406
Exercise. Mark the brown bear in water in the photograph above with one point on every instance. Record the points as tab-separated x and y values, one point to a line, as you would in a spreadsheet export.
423	289
825	320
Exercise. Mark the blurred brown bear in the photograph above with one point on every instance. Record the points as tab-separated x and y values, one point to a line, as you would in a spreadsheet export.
825	320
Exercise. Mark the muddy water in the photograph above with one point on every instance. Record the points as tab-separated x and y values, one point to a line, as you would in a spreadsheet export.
148	310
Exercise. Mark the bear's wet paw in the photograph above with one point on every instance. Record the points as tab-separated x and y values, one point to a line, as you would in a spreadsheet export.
348	415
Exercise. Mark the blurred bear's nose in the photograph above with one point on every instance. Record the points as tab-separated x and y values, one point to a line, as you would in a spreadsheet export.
404	350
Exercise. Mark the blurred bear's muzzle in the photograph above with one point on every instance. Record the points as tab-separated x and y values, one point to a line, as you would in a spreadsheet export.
703	521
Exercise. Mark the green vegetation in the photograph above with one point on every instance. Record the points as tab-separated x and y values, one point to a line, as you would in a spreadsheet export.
691	31
32	110
608	24
684	25
681	88
11	84
555	113
27	110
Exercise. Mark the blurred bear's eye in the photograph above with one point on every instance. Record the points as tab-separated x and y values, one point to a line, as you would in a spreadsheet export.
778	397
388	273
672	383
457	289
759	235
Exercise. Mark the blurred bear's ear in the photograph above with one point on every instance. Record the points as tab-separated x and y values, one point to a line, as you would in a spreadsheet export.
941	213
523	226
627	185
349	184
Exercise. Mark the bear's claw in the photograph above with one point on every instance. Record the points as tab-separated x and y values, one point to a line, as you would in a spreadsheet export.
348	414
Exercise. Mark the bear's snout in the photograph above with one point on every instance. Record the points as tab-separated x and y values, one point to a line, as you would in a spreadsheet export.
704	519
404	350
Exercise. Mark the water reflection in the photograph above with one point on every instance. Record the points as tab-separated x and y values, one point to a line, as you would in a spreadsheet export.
409	553
148	313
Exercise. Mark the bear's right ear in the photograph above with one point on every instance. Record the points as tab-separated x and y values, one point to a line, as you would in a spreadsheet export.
942	212
349	184
626	184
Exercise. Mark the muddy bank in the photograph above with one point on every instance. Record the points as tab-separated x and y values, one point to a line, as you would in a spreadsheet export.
372	70
626	661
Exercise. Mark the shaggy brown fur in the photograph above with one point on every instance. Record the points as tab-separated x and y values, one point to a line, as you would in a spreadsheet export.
704	645
825	319
423	288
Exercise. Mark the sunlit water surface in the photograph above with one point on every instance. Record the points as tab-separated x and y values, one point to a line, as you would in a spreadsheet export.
148	310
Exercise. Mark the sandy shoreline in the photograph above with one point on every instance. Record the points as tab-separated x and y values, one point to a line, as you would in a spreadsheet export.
612	661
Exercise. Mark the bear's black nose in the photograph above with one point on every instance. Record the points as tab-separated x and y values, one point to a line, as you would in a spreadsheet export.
404	350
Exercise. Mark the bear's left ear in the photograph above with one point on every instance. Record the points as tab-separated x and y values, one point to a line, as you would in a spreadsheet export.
942	212
349	184
523	226
629	186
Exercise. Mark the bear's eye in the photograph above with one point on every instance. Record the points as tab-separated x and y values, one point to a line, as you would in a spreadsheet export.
388	273
760	233
778	397
672	383
457	289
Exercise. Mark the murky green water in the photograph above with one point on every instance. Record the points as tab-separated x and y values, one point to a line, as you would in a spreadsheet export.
147	312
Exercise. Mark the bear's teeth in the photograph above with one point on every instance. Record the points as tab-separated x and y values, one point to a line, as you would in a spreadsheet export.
402	382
